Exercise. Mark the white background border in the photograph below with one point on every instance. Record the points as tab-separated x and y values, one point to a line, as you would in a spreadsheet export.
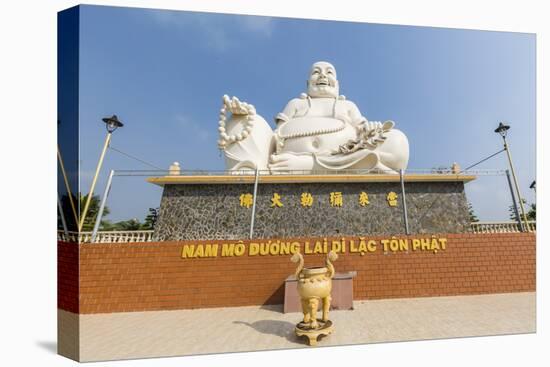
28	178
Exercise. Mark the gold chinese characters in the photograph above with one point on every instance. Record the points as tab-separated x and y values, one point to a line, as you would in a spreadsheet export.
336	199
363	199
392	198
306	199
276	200
246	200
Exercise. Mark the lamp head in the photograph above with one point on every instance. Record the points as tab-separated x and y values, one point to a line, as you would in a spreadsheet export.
112	123
502	129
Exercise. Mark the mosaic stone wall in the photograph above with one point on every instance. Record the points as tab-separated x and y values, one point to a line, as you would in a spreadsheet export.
214	211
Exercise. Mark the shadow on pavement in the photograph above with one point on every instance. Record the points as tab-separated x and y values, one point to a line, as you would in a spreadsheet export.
273	308
283	329
50	346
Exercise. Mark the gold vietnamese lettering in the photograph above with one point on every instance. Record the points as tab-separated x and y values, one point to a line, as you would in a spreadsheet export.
194	251
253	249
277	247
371	246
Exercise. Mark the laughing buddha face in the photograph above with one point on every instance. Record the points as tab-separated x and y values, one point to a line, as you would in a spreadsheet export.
322	81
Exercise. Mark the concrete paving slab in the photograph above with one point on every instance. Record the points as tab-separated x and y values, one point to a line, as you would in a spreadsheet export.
236	329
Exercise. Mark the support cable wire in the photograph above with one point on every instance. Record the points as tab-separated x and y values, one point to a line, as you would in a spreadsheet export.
135	158
483	160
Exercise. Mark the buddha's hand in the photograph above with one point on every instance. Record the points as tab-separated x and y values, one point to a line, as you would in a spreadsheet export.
373	133
289	161
372	127
237	107
367	127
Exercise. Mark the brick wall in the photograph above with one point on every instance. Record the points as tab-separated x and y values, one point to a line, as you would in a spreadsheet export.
67	276
153	276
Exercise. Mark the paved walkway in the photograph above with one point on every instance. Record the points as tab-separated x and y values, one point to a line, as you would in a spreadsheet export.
184	332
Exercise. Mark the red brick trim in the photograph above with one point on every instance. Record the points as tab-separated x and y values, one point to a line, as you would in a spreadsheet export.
153	276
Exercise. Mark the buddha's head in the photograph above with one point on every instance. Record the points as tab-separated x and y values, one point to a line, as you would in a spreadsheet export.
322	81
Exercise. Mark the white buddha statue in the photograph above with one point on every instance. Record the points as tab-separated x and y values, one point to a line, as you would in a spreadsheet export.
319	130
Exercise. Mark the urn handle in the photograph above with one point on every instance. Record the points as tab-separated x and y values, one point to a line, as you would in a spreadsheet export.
332	256
298	258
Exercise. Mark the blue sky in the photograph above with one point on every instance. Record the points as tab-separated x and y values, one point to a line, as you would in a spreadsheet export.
164	72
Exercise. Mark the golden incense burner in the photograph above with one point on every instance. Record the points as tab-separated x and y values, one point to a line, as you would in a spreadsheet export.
314	287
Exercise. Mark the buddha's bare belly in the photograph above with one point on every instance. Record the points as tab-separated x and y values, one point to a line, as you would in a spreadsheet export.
322	134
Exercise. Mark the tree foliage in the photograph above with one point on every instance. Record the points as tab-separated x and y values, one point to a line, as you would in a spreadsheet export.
473	216
151	218
133	224
68	214
531	213
93	211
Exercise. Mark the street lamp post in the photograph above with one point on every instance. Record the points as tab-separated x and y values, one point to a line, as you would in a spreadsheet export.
111	123
502	129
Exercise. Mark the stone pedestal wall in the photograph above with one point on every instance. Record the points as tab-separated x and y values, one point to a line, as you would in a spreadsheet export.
214	211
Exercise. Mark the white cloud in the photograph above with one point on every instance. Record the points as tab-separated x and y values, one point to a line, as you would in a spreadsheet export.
218	35
261	25
192	128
